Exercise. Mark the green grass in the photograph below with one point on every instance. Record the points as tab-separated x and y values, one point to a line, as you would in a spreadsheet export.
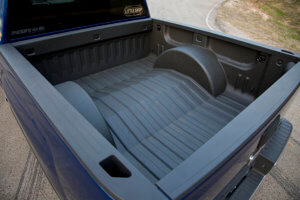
274	12
284	13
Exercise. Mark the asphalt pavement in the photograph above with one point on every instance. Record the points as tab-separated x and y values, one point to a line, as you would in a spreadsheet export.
193	12
21	176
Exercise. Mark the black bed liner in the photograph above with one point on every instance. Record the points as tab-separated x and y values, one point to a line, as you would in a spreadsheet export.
111	156
158	117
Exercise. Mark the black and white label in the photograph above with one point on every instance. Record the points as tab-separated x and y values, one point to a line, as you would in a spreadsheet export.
29	30
130	11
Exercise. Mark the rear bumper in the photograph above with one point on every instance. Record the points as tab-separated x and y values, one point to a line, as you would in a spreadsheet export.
248	180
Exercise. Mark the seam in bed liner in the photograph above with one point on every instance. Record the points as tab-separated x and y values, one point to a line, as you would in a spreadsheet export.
160	116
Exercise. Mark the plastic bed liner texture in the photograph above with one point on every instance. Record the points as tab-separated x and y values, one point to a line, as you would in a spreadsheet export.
158	117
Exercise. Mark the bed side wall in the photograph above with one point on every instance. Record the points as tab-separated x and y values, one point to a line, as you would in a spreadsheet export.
78	62
68	56
250	67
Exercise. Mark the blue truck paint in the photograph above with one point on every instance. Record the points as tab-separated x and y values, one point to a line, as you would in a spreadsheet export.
3	23
57	160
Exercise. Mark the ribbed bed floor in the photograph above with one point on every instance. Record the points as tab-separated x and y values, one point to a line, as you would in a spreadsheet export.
158	117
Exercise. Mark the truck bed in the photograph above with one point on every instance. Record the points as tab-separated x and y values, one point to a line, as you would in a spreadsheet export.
157	117
149	109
